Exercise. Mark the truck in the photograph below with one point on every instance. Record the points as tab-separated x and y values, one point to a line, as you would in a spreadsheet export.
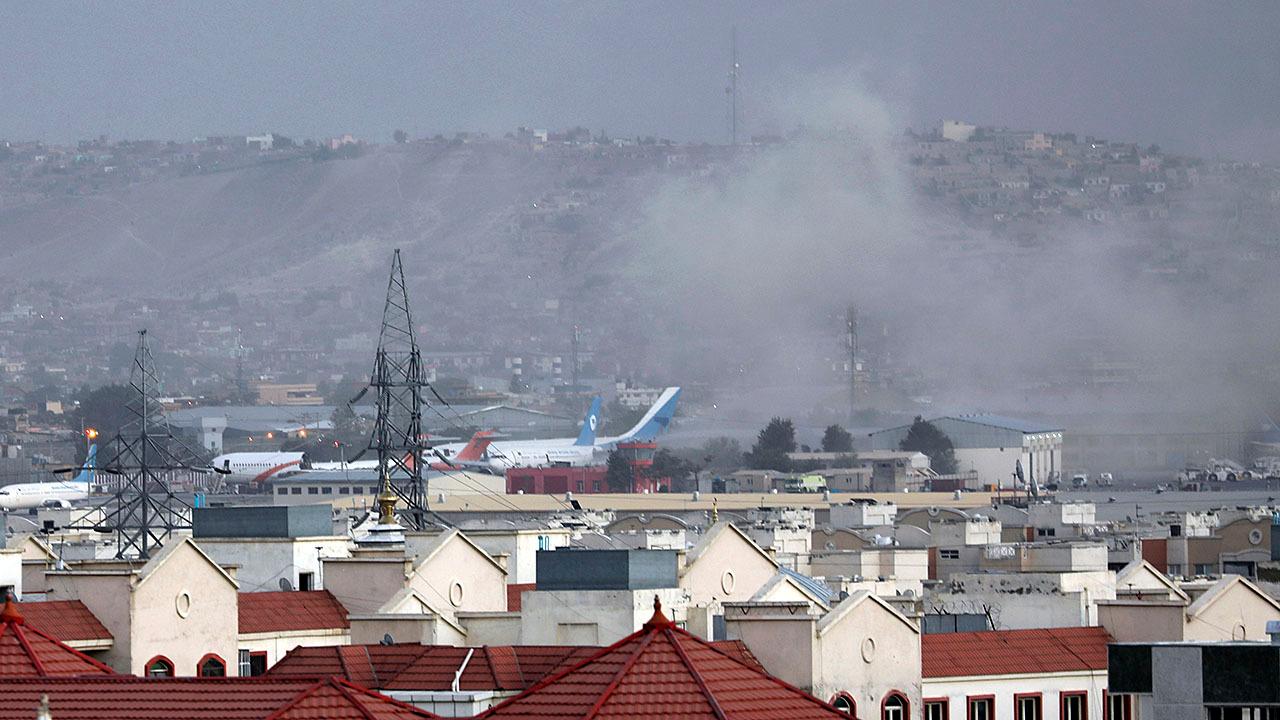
1080	480
805	484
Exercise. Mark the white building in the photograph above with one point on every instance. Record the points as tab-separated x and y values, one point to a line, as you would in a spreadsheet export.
992	446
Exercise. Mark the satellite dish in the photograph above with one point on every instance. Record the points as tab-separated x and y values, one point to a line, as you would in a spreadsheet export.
285	584
388	640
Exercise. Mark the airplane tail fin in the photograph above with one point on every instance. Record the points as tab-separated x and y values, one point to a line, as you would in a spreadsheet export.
474	449
657	419
590	424
86	471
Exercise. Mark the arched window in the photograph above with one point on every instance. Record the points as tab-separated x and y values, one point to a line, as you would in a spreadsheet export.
159	666
211	666
895	707
845	703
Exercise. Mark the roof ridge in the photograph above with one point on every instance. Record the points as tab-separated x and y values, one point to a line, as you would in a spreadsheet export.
346	692
26	645
67	648
622	671
306	692
380	697
697	676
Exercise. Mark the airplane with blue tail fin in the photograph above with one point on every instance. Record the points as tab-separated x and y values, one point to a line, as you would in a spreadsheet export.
55	493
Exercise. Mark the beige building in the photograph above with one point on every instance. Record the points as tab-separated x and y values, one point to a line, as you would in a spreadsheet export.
725	566
1149	610
173	615
858	656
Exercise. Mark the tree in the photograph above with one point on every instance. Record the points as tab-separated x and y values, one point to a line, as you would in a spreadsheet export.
618	476
925	437
103	409
772	445
667	464
619	418
722	454
837	439
401	137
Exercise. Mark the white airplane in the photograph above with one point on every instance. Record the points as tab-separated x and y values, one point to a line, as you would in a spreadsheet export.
586	449
56	493
257	467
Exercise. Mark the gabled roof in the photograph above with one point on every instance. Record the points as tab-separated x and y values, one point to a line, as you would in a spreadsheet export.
662	671
124	697
855	599
1005	422
66	620
440	541
395	606
1014	652
1221	588
367	665
1138	569
28	652
287	611
160	558
713	533
785	579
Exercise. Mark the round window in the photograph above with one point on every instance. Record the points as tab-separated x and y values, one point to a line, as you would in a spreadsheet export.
455	594
182	604
728	581
868	650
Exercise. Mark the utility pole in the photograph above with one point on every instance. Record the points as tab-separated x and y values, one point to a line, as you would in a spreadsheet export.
398	381
574	340
144	511
732	90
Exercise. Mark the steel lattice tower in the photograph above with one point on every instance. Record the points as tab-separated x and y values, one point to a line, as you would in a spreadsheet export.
144	511
398	381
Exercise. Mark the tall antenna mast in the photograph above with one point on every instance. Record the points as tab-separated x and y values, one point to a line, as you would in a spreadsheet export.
398	381
851	340
242	383
143	512
732	90
574	340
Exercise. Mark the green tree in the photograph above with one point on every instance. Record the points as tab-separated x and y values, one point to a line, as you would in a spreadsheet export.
837	439
667	464
401	137
925	437
721	454
772	445
618	476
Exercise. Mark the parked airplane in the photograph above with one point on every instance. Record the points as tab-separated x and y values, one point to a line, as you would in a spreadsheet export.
55	493
256	467
472	451
587	448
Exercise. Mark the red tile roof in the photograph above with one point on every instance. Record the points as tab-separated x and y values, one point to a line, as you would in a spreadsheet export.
285	611
124	697
431	667
662	671
1014	652
28	652
513	594
66	620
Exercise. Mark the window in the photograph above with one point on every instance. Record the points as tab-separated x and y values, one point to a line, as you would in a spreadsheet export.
1027	707
939	709
306	581
981	708
252	664
1047	532
1119	708
211	666
894	707
1206	569
344	491
313	491
160	666
326	490
949	554
1074	706
1174	570
295	491
845	703
282	491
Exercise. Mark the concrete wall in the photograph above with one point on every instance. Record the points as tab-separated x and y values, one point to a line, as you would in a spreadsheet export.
1137	621
1238	614
491	628
1049	685
729	570
363	584
208	624
263	562
521	548
109	598
459	578
592	617
11	574
425	629
277	645
1028	600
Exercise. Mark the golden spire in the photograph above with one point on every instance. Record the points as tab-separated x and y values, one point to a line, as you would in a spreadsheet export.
715	511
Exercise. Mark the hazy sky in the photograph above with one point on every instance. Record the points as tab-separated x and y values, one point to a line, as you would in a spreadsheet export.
1201	77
